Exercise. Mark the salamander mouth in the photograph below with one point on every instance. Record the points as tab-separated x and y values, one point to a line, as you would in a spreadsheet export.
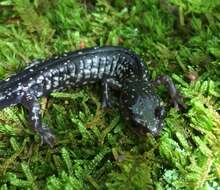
155	131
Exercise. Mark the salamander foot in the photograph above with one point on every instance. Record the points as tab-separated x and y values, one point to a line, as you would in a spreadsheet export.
47	136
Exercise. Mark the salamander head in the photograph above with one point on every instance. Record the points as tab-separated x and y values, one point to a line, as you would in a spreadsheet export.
143	108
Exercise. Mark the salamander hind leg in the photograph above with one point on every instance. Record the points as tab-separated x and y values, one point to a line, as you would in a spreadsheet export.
31	103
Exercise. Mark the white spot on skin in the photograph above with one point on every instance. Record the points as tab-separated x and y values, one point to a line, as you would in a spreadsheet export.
94	72
154	130
56	78
39	94
72	74
114	64
31	83
108	68
88	62
87	73
101	72
61	69
79	77
48	87
55	84
65	77
71	69
40	79
61	78
81	65
25	88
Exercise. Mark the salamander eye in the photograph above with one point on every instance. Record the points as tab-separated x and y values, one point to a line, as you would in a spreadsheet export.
159	112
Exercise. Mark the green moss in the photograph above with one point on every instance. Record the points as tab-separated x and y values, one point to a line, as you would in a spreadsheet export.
95	149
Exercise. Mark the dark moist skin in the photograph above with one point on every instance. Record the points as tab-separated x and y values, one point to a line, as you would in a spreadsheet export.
117	68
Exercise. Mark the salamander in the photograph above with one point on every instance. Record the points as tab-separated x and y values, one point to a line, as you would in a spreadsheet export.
116	68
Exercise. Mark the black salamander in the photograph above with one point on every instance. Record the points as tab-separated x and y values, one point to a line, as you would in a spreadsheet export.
116	68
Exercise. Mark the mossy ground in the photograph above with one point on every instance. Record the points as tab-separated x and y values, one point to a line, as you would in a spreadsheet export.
95	149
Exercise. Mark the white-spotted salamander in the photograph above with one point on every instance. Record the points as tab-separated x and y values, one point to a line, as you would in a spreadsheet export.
116	68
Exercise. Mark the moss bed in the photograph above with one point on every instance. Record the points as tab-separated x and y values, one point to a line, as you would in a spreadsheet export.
96	149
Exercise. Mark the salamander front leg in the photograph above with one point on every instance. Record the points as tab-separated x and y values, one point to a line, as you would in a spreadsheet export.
33	107
108	84
105	95
176	98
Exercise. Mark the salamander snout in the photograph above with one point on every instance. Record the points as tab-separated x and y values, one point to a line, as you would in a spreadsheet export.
146	112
